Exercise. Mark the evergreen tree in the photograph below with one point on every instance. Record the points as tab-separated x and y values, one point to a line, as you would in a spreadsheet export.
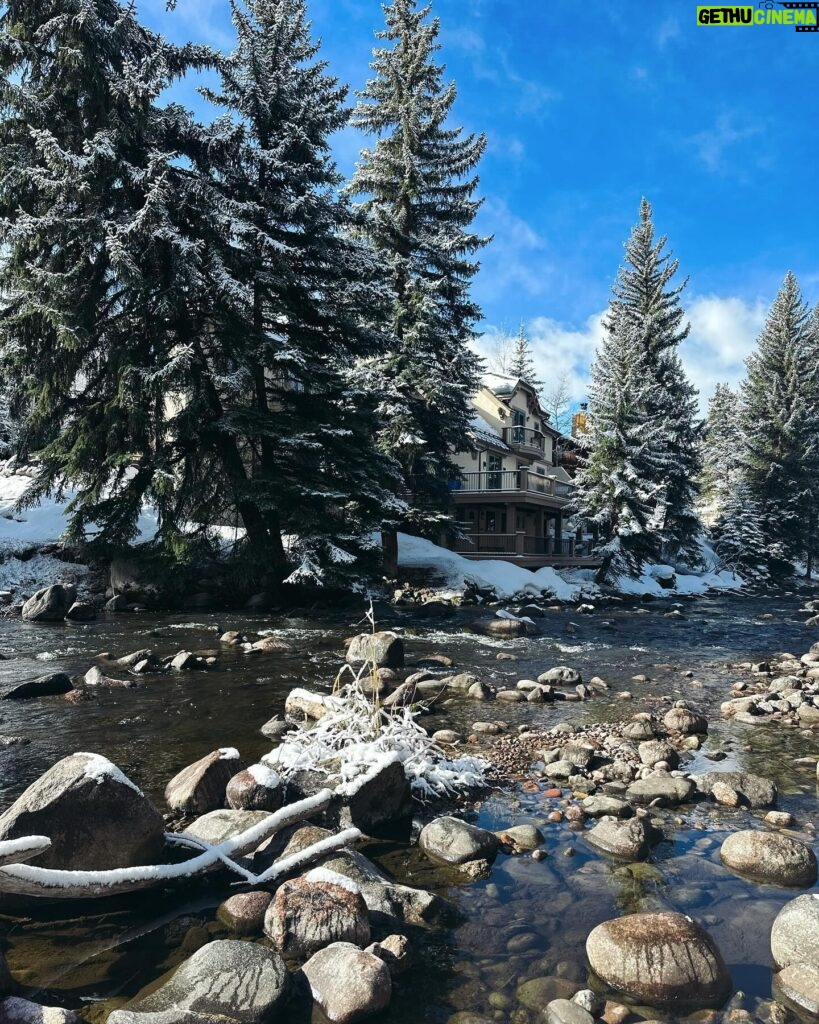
737	533
417	190
722	451
618	492
292	296
781	425
89	258
522	364
645	313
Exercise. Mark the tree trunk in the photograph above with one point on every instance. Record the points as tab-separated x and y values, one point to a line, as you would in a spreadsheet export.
389	547
603	571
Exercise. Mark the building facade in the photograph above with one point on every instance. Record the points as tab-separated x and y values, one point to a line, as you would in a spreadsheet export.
512	494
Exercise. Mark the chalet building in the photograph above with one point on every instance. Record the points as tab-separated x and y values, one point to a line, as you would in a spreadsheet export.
512	494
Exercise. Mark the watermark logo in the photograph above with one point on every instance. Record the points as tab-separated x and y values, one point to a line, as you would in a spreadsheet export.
802	16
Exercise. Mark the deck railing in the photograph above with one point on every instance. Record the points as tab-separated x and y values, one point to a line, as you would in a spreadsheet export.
488	480
524	437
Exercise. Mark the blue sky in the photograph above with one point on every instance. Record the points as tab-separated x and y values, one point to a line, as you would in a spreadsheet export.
584	115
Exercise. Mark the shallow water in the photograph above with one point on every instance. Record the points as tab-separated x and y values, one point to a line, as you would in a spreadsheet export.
529	919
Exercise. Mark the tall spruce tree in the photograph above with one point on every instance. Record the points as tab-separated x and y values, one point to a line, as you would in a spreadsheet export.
522	363
619	485
781	426
737	532
92	269
417	190
645	312
722	451
293	297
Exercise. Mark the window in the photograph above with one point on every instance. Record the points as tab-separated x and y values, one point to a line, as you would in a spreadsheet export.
494	471
518	426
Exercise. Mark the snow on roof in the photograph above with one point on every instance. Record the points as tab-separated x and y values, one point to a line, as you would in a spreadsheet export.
485	432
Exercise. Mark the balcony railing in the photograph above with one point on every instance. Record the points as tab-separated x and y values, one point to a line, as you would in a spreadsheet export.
487	544
519	544
518	480
524	437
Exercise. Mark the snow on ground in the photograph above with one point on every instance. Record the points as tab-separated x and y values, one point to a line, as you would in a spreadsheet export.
509	580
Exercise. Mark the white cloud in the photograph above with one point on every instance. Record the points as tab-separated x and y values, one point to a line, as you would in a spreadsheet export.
669	29
715	145
724	330
518	258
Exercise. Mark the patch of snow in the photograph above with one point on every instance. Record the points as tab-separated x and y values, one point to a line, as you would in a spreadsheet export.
99	769
265	776
228	754
333	878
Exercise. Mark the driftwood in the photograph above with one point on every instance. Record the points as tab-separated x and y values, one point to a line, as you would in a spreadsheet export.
29	880
15	851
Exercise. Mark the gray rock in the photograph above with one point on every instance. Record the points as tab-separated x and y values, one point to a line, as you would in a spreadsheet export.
564	1011
81	612
600	806
386	650
50	604
376	801
257	788
244	913
641	729
580	754
201	786
663	960
561	675
797	987
685	721
653	751
769	857
224	982
395	951
629	840
348	983
666	789
15	1010
275	728
95	817
524	837
591	1001
795	932
43	686
217	826
452	841
309	913
754	790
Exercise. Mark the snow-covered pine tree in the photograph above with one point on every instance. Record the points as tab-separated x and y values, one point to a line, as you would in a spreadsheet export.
737	533
721	452
272	410
89	257
417	190
522	363
619	485
780	417
646	297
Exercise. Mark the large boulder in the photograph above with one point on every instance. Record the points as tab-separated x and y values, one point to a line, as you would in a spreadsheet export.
50	604
630	840
795	932
224	982
311	912
663	960
376	800
216	827
685	721
15	1010
257	788
348	983
385	650
797	987
95	817
201	787
660	789
769	857
44	686
754	790
452	841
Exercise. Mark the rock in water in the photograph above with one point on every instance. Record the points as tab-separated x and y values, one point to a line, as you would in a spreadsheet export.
201	786
244	913
795	932
21	1011
452	841
44	686
50	604
385	650
667	790
769	857
227	982
348	983
663	960
631	839
95	817
258	788
797	986
754	790
685	721
376	801
311	912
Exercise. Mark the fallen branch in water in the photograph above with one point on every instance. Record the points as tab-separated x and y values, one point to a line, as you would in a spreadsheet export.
29	880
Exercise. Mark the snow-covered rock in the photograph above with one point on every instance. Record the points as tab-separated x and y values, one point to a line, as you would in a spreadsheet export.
201	786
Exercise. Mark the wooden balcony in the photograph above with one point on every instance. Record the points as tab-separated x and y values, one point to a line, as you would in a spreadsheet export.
511	485
522	549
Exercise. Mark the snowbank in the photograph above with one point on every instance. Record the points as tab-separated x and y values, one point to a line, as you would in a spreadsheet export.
509	580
